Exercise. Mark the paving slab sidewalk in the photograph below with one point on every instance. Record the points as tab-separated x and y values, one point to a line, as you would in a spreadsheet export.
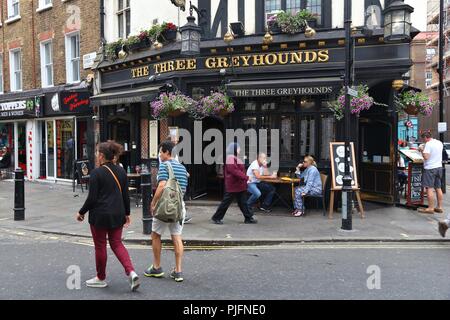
52	207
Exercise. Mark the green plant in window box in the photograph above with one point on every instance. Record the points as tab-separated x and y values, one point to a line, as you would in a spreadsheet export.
112	49
155	32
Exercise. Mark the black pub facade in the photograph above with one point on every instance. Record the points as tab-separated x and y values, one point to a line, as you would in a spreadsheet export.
285	85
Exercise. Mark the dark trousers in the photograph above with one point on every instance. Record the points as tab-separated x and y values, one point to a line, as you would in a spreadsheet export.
115	241
228	197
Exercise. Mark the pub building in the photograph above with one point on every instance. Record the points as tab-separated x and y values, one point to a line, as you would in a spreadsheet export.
46	130
284	85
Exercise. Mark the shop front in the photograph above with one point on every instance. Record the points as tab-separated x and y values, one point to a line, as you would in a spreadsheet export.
286	86
66	133
17	118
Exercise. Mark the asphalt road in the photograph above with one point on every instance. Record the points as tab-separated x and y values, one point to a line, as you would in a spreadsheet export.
34	266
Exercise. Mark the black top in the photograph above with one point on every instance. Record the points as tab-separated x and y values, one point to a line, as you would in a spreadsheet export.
5	162
107	207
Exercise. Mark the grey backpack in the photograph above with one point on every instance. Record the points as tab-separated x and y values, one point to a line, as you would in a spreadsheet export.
170	206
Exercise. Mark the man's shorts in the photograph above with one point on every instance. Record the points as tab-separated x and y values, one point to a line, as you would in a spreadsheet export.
175	228
432	178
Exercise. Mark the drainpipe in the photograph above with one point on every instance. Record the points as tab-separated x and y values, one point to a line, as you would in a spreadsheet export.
102	25
33	42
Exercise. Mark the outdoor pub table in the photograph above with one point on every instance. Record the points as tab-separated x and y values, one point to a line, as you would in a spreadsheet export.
280	181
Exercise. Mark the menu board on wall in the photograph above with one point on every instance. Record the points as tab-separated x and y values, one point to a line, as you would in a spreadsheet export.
337	154
153	139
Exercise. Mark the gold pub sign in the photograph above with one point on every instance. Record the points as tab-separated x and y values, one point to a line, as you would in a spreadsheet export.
238	61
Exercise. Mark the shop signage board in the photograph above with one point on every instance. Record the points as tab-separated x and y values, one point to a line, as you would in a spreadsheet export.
68	103
81	172
299	60
337	154
28	108
280	92
415	195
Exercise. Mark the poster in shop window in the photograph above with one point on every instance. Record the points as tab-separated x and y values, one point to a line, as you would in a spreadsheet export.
337	155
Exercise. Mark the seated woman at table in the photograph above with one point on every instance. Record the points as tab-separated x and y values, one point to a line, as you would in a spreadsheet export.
312	184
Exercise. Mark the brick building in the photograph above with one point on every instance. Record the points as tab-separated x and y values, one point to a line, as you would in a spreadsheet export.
47	50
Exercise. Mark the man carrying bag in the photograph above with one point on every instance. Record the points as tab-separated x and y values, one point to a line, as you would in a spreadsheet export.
168	211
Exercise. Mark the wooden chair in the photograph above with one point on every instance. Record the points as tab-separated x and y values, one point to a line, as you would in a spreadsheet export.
324	179
358	197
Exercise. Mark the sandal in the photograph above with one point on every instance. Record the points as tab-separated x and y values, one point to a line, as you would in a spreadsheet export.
298	214
438	210
427	211
294	212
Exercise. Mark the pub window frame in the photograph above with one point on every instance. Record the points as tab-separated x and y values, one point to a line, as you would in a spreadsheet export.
261	13
317	113
302	4
123	18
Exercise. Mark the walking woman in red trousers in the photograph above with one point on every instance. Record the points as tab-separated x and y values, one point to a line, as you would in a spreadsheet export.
108	204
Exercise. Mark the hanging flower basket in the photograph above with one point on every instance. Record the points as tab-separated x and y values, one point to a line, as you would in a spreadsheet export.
415	103
176	113
216	104
411	110
357	104
171	105
223	113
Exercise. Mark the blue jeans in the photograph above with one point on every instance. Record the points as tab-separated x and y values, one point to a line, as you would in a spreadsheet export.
259	189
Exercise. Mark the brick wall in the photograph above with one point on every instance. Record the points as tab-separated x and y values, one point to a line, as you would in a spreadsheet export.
54	23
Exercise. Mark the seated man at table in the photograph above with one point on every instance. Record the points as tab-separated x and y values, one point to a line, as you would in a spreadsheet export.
257	188
312	184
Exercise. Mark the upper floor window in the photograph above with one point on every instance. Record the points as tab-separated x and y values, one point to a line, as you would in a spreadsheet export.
73	58
15	62
123	18
13	8
45	3
294	6
46	64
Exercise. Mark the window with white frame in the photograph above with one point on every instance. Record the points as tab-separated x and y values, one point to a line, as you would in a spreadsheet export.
1	74
47	64
294	6
123	18
13	8
45	3
15	62
73	58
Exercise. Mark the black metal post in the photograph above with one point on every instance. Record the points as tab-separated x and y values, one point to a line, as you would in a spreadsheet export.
19	195
441	78
146	189
347	180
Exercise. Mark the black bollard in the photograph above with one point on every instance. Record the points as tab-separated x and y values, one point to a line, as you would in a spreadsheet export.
19	195
146	188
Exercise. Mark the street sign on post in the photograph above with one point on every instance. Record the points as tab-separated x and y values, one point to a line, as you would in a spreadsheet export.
352	92
442	127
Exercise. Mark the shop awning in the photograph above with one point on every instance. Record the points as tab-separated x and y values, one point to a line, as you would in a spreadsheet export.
284	87
124	97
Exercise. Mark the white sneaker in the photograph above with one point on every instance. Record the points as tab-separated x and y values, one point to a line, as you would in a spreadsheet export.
96	283
134	281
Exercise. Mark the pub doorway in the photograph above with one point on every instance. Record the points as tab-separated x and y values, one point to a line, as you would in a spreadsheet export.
206	181
377	148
